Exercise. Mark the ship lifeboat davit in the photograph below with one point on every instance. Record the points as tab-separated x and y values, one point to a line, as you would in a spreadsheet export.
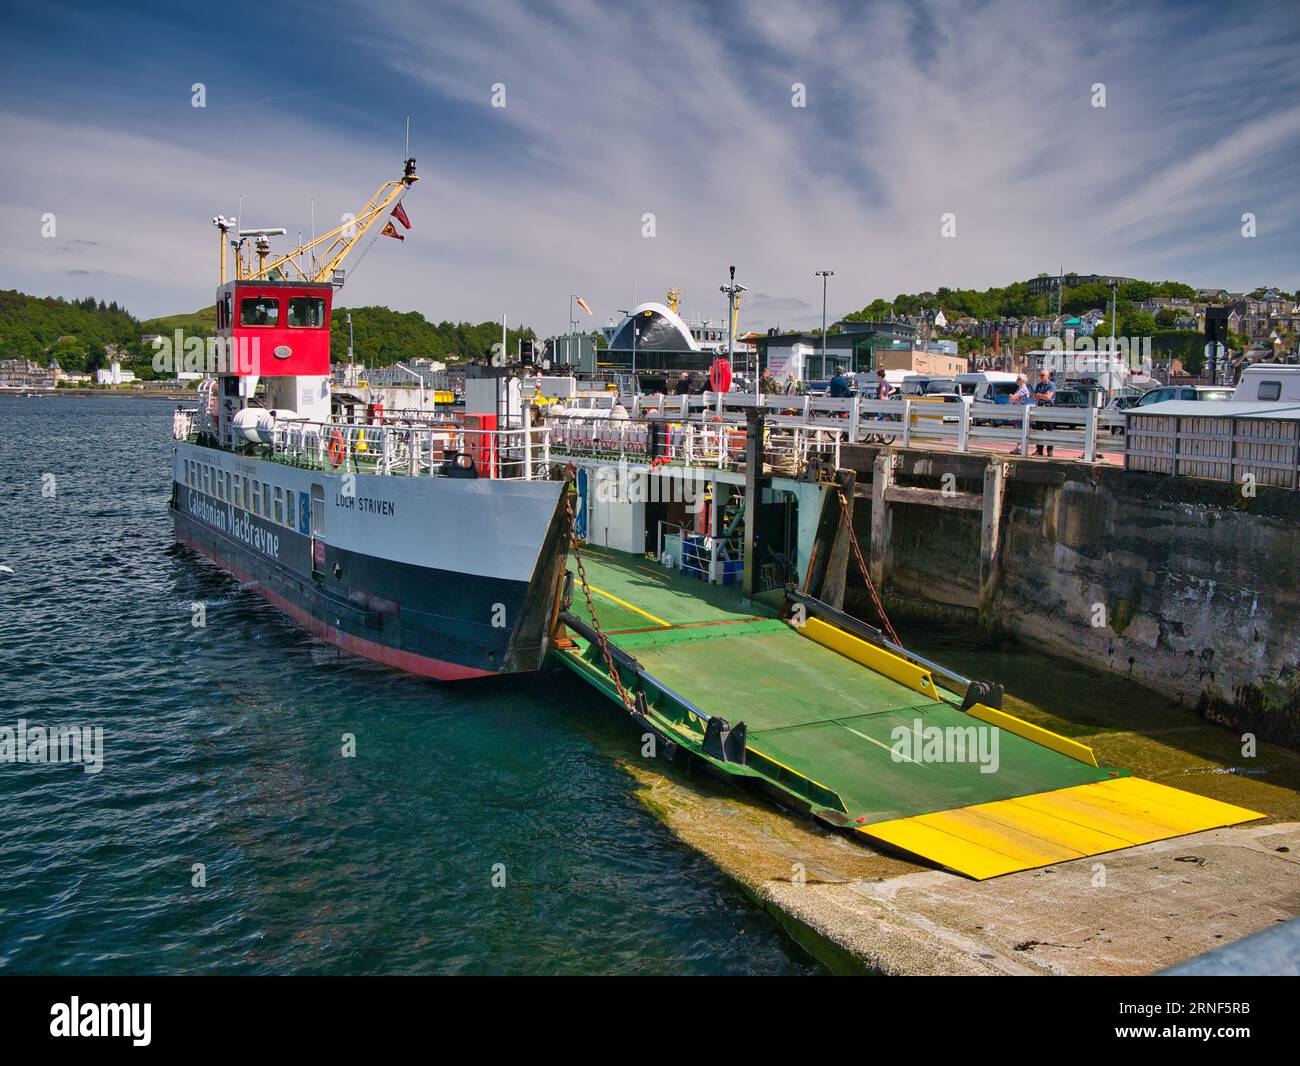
257	424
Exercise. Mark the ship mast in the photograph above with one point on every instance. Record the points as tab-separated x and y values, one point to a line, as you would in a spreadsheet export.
318	260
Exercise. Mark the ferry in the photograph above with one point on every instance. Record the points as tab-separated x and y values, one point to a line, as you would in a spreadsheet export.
694	575
436	546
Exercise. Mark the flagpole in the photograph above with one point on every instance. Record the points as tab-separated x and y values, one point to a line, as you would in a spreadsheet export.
573	326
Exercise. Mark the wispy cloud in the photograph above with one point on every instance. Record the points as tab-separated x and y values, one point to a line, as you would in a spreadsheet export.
684	113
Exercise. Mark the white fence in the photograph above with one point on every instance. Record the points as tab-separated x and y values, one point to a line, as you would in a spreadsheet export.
915	421
694	443
1258	450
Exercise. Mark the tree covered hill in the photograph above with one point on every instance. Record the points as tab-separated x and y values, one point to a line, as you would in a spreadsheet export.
75	332
1016	301
382	336
78	333
202	323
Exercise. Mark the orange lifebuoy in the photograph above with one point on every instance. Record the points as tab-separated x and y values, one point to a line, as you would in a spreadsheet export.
336	448
720	375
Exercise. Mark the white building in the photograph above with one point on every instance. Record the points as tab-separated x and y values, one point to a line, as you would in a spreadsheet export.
114	375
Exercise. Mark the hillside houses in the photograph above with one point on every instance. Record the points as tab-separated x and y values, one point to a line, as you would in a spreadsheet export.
1260	315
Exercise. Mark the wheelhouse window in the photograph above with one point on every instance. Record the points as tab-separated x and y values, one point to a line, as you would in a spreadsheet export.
1270	390
306	312
259	311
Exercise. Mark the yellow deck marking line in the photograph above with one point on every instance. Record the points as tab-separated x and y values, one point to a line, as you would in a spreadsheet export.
630	606
657	577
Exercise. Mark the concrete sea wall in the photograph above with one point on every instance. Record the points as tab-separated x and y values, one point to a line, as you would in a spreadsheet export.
1186	586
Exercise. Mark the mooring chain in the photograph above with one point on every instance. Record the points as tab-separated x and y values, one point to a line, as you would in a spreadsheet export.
591	608
866	574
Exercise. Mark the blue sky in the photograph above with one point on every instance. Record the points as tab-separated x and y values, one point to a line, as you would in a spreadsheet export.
684	111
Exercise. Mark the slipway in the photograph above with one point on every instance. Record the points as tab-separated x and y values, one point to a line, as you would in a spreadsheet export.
829	717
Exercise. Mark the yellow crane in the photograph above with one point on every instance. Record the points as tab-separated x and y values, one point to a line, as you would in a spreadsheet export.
318	259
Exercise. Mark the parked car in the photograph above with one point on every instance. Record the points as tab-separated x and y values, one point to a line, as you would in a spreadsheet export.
948	416
999	392
969	385
1182	392
925	385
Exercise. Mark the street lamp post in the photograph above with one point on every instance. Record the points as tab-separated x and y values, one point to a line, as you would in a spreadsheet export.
573	322
824	275
1110	357
733	290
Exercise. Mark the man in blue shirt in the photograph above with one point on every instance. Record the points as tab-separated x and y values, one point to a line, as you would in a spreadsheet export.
1044	396
840	387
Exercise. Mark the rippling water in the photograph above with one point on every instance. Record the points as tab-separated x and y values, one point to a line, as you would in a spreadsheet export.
222	747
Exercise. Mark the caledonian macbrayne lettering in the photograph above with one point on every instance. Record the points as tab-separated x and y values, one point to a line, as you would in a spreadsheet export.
238	524
367	504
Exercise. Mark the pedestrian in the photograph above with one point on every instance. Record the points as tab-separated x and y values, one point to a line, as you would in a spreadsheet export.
1021	396
841	389
884	390
767	384
1044	396
791	385
683	386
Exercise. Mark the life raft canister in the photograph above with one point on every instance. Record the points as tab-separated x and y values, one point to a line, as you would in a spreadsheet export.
336	447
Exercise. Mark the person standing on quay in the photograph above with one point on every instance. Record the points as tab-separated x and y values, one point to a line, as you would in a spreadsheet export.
1021	397
1044	396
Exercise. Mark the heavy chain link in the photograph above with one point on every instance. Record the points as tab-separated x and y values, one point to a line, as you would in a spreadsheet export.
623	695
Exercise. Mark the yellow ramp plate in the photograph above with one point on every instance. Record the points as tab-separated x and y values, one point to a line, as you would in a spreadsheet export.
990	839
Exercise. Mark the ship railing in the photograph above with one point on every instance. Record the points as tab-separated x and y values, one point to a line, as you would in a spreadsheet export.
716	559
719	445
183	419
424	450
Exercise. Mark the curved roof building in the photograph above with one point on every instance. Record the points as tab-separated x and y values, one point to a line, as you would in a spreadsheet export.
660	330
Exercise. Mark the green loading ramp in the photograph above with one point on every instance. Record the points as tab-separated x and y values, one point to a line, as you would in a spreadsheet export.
859	736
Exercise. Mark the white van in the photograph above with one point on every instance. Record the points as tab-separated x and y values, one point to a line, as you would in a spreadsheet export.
969	385
1268	381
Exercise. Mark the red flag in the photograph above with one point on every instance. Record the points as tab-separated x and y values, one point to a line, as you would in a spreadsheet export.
583	304
390	230
399	213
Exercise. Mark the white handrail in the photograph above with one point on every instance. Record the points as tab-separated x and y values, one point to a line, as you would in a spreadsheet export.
414	450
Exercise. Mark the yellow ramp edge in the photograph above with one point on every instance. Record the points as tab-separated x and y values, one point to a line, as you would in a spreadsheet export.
1036	733
883	662
991	839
